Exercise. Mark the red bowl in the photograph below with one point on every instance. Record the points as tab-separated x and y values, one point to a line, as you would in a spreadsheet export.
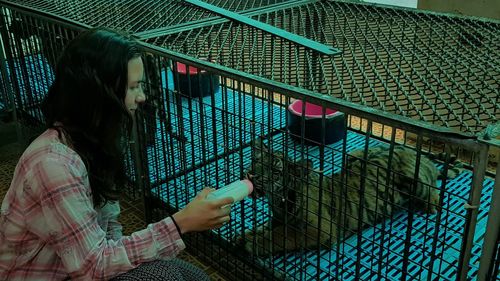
194	82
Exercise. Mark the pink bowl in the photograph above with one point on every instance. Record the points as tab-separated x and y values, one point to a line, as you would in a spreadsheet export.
315	131
311	110
181	68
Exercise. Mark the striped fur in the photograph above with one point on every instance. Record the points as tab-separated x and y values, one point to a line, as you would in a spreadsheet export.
310	209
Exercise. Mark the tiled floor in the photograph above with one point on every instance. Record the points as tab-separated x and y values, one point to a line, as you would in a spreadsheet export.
131	216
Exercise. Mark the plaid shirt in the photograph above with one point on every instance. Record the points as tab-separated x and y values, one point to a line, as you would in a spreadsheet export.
50	230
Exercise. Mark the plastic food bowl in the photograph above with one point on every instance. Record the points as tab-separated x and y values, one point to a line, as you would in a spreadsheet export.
202	83
334	128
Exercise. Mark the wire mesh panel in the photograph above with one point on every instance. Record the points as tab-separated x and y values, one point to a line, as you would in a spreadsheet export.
5	99
313	216
435	68
31	48
135	15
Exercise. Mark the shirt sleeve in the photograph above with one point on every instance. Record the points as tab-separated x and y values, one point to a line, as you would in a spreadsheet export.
108	220
70	226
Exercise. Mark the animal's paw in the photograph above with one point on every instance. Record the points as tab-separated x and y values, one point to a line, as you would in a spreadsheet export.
262	247
257	244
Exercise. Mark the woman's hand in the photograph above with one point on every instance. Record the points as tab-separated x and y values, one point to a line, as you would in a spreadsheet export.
203	214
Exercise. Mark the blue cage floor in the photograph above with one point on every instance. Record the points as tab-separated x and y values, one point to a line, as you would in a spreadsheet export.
34	77
382	246
207	129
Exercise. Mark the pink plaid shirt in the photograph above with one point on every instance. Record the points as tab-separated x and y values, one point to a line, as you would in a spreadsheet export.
50	230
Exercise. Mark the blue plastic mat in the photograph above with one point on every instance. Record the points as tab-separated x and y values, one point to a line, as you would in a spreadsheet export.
382	246
384	241
201	128
33	79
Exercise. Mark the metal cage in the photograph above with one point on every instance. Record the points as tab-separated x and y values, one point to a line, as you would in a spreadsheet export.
220	86
441	70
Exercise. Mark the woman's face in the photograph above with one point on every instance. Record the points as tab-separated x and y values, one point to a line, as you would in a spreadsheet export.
135	94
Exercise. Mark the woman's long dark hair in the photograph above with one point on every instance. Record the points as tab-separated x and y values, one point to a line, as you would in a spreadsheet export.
86	102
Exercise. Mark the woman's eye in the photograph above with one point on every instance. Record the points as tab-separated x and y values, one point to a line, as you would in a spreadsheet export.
139	85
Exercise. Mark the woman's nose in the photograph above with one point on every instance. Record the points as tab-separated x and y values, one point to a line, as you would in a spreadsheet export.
141	97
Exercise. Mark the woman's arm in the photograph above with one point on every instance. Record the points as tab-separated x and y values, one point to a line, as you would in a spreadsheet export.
68	224
108	220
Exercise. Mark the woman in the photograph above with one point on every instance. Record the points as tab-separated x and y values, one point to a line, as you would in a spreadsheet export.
59	216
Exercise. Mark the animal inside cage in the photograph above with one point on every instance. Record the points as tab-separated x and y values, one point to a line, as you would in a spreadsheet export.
394	198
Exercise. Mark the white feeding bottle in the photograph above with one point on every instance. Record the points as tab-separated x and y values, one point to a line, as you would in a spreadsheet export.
238	190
